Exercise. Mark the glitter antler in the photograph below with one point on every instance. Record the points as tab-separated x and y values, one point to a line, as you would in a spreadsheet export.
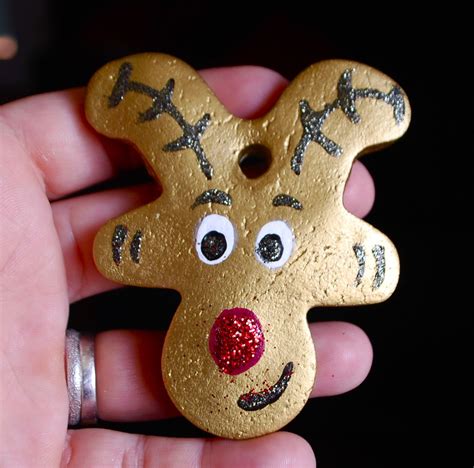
347	95
162	103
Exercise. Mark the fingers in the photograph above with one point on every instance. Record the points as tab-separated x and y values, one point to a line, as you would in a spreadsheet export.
74	156
128	372
101	447
69	154
344	357
78	219
129	381
257	89
359	192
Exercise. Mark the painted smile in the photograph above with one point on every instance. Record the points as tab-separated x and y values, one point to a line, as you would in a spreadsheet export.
253	401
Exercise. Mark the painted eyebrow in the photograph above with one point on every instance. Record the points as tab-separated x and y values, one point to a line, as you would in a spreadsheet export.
287	200
213	196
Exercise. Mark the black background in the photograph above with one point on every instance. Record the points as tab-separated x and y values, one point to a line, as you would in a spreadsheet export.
396	417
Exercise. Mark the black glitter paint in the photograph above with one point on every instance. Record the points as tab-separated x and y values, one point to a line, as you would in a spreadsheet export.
136	247
270	248
378	252
213	196
213	245
118	239
191	139
313	121
359	252
347	95
257	401
287	200
162	103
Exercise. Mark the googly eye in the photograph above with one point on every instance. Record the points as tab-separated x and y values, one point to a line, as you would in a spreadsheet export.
274	244
215	239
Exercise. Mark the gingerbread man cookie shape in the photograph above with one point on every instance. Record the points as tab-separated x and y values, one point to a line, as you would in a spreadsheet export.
249	255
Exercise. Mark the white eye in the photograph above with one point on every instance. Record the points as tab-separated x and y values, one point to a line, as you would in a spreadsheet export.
215	239
274	244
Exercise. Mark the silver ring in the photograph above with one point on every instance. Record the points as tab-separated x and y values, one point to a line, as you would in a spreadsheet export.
81	379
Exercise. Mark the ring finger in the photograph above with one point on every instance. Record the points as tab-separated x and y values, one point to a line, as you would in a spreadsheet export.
130	387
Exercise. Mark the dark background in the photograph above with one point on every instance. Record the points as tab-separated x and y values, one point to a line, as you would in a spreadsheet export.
396	417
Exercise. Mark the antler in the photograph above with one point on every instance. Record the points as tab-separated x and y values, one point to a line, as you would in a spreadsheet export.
162	103
313	121
163	107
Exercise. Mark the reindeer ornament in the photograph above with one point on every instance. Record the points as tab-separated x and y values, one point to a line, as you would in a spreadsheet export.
250	255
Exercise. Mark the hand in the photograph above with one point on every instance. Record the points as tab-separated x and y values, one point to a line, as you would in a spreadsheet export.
48	152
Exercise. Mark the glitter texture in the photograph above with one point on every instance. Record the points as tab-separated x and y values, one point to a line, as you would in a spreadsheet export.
313	121
162	103
191	139
136	247
378	252
118	239
360	255
213	196
287	200
213	245
270	248
253	401
236	341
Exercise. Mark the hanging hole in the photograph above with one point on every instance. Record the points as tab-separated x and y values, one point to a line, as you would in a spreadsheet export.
255	160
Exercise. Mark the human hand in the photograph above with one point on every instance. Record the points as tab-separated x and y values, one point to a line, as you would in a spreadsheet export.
48	152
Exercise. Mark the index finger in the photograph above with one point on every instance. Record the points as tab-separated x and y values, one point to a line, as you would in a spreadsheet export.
71	156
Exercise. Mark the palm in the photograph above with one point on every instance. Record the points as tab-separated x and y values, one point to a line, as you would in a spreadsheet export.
47	152
34	313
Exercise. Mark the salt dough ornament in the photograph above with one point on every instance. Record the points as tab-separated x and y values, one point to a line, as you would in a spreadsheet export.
249	255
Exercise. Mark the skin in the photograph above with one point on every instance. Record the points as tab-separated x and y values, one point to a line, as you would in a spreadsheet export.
48	152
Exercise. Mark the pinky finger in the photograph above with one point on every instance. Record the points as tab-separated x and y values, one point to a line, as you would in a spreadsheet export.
101	447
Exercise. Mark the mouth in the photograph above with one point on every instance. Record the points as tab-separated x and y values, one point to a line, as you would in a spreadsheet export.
254	401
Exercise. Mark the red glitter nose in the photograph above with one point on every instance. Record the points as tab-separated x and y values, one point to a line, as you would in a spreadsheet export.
236	341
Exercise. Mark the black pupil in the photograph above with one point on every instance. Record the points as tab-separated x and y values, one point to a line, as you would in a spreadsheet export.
270	248
213	245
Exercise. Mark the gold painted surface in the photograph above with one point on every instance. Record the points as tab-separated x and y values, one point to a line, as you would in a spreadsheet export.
322	268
